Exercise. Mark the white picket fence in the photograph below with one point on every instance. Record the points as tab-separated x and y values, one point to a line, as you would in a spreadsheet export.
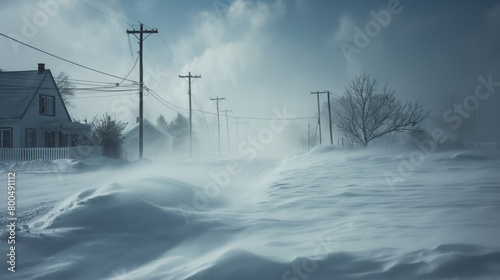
13	155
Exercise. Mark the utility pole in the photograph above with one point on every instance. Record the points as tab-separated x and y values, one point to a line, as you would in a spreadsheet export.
237	136
319	115
141	32
308	136
330	117
227	128
190	80
217	99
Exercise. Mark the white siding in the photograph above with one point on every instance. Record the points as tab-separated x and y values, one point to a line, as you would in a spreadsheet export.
33	119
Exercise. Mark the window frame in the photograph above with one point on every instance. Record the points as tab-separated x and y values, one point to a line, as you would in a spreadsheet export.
64	140
47	102
52	135
2	131
27	133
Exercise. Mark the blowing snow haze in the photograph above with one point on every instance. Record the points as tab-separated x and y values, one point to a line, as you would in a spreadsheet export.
270	188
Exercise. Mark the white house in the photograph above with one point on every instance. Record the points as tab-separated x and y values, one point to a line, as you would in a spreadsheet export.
156	142
33	113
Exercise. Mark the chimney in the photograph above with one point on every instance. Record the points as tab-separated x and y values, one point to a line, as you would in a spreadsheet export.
41	67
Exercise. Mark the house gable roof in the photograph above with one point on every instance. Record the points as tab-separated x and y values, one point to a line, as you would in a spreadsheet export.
19	88
134	130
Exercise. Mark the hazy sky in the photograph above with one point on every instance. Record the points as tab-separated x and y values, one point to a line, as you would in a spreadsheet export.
259	55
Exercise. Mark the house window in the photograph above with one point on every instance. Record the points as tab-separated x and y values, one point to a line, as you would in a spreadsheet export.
30	138
6	137
47	105
63	140
73	139
50	139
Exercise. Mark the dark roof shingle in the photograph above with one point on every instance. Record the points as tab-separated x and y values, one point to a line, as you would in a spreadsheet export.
17	89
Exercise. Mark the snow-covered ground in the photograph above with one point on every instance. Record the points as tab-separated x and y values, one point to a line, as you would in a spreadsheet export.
325	214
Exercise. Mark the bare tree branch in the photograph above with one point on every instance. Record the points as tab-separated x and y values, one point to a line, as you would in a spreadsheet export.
364	113
66	88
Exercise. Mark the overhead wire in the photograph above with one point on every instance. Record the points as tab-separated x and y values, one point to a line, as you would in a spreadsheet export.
100	96
89	81
130	72
153	93
165	102
159	56
120	11
130	46
180	64
159	98
149	90
99	11
66	60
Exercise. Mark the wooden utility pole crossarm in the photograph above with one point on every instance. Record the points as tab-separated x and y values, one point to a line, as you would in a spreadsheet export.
227	129
141	32
330	118
191	78
217	99
319	113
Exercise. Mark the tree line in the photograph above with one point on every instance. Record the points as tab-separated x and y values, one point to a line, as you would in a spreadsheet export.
365	112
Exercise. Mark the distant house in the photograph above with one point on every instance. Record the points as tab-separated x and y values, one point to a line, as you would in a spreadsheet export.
33	113
156	142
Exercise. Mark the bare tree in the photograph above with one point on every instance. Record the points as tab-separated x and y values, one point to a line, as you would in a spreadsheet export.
109	131
364	113
66	88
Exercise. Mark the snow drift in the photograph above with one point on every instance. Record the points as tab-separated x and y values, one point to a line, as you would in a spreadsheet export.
326	214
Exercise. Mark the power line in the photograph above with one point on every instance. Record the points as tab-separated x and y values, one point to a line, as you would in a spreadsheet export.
163	101
161	57
319	114
99	11
130	47
168	58
133	67
171	52
104	90
37	79
217	99
175	60
66	60
83	84
167	104
141	38
181	65
101	96
100	88
89	81
200	110
190	111
120	11
269	119
227	130
108	87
